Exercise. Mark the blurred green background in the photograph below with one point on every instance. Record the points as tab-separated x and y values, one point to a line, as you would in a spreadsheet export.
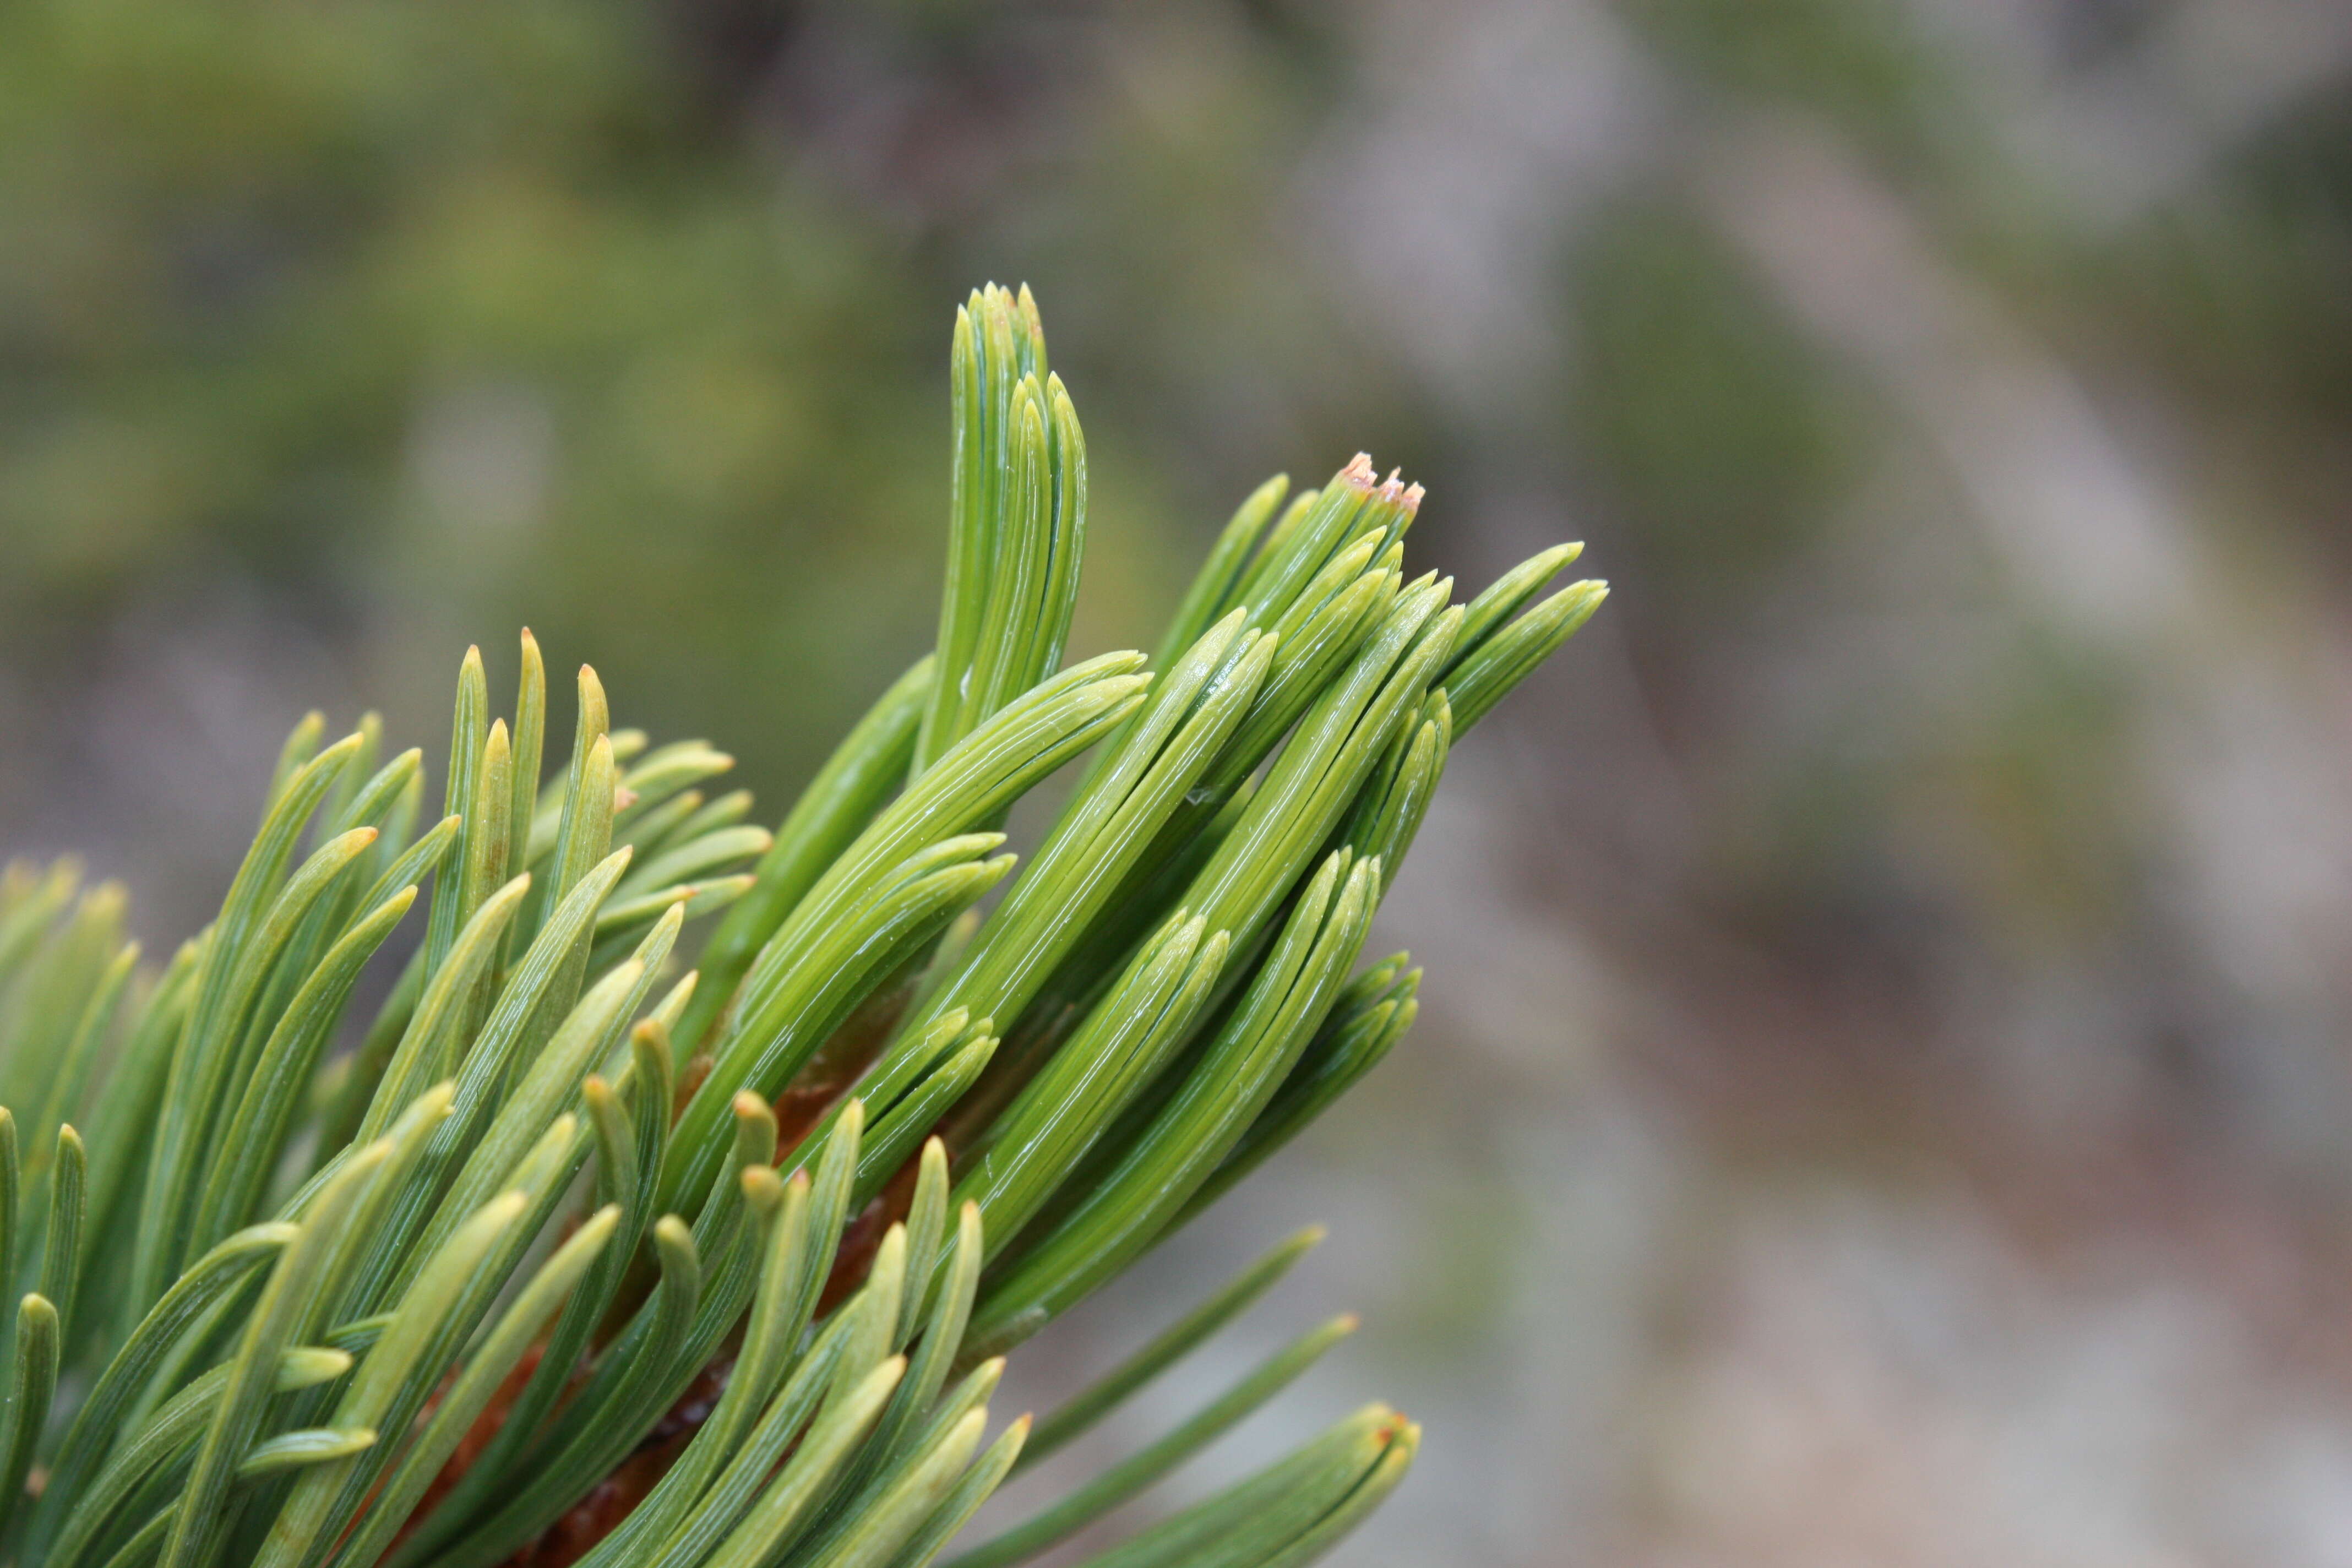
1882	1096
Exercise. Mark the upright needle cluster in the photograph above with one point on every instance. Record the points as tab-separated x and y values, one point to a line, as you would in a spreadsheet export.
574	1254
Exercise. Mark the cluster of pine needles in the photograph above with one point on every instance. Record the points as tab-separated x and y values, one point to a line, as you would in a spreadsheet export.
571	1253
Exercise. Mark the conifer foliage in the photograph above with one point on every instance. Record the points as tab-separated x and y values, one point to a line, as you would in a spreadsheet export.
572	1253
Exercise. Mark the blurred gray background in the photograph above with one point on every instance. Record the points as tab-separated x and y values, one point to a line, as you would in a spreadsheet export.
1882	1088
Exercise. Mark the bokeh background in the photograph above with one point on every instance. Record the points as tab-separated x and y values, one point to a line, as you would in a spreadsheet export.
1884	1089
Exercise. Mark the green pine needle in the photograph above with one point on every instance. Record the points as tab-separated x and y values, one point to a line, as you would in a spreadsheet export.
714	1267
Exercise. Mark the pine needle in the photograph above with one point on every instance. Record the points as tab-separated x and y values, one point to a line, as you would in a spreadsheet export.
699	1241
